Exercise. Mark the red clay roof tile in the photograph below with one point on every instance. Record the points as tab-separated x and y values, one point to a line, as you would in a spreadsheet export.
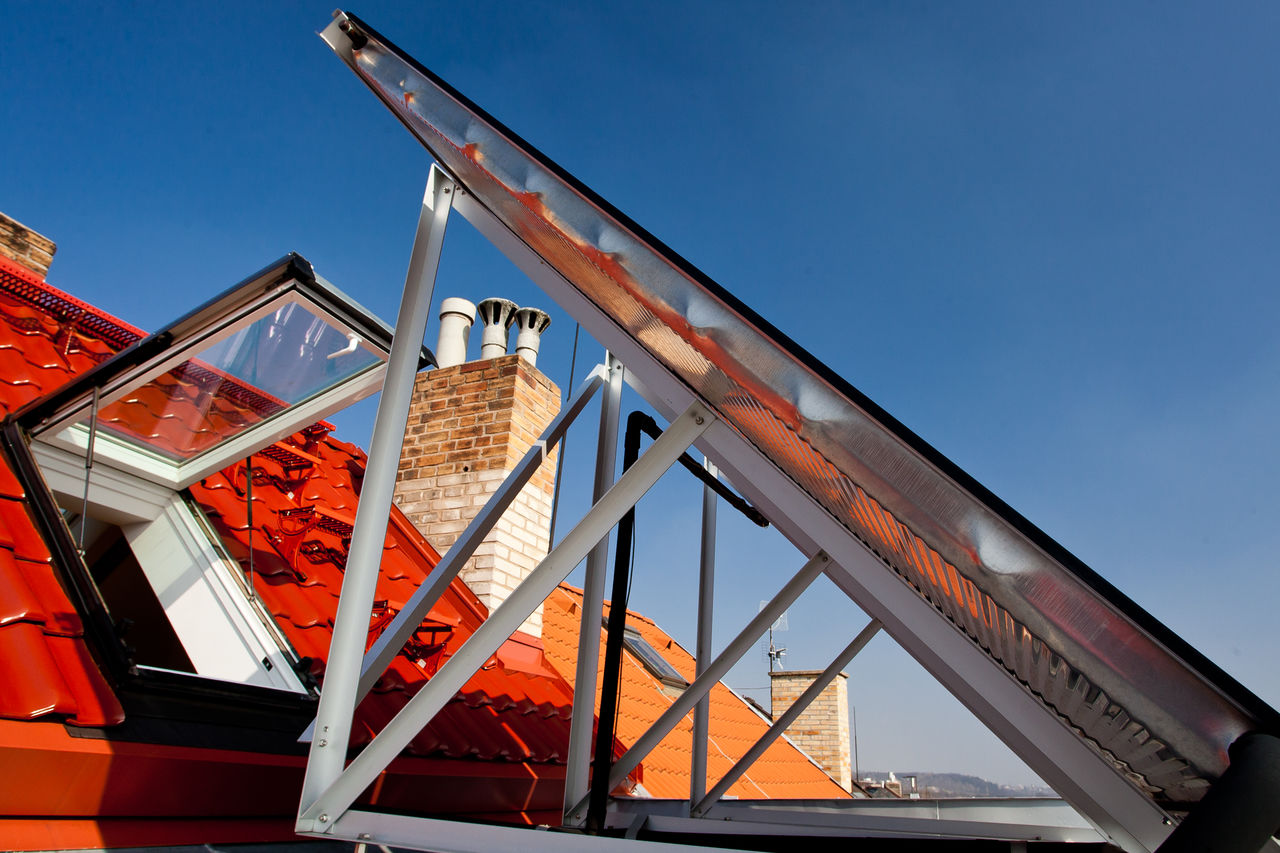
32	679
9	485
304	494
45	665
19	534
18	603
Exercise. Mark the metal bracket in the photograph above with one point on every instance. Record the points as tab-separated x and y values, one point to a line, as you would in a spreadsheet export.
785	720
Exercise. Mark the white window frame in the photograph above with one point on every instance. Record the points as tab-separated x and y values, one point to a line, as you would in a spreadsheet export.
71	432
227	636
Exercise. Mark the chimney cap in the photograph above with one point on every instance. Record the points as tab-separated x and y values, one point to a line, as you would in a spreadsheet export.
532	319
458	305
456	316
532	323
495	310
497	314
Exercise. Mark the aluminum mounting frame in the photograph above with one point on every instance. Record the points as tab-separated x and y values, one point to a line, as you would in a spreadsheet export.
327	799
1119	810
1051	749
331	791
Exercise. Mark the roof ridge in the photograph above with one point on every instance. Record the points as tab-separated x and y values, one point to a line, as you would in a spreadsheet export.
40	294
577	591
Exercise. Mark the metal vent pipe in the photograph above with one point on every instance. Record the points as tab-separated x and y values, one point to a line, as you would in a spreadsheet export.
497	316
456	317
532	322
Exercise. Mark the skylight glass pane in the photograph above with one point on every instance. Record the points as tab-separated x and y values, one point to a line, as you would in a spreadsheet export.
652	661
283	358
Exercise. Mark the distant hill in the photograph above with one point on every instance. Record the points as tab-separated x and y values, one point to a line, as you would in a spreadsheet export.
959	785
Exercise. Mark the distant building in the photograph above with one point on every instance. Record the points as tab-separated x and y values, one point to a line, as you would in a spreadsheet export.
822	730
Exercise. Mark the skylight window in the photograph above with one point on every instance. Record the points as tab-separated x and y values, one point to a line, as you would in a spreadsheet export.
277	352
253	374
653	661
118	446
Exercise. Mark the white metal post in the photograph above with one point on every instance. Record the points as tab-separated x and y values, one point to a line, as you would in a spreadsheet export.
351	624
787	717
702	651
717	670
586	673
494	631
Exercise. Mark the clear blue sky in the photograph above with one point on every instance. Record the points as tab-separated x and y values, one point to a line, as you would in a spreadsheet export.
1046	240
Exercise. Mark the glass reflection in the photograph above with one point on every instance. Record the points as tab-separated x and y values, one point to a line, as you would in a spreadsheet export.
282	359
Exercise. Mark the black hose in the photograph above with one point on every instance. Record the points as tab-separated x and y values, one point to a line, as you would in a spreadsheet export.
611	679
1241	811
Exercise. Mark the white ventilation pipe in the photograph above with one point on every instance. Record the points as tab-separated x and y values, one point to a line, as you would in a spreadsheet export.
456	317
532	323
497	316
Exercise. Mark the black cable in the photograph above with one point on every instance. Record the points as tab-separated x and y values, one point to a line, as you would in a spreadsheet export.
564	442
651	428
611	679
623	572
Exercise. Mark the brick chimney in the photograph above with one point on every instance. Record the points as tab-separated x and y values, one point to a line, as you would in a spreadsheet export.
822	730
469	425
19	243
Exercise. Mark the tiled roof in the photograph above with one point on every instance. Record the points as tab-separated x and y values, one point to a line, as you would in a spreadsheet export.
783	772
46	668
305	492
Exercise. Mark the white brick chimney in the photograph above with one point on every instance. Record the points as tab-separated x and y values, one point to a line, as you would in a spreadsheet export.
822	730
469	425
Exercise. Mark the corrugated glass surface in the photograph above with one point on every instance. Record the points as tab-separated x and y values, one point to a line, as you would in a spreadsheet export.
1149	703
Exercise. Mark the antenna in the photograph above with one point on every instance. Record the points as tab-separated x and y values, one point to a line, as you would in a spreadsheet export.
775	653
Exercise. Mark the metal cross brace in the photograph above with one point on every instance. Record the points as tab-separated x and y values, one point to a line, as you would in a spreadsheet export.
337	797
716	671
785	720
351	624
393	638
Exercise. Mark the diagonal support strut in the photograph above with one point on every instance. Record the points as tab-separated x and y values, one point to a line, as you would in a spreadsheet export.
716	671
351	624
338	797
788	717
